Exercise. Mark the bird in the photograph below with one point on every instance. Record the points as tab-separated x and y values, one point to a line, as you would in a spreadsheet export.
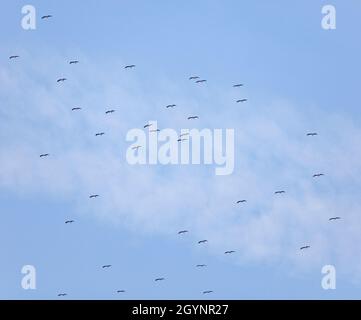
207	291
159	279
318	175
69	221
182	231
99	134
193	117
109	111
120	291
305	247
136	147
229	252
93	196
47	16
184	134
73	61
202	241
241	201
129	66
180	140
241	100
334	218
201	81
238	85
280	192
14	57
171	106
147	125
201	265
193	77
76	108
62	294
106	266
44	155
61	80
154	130
311	134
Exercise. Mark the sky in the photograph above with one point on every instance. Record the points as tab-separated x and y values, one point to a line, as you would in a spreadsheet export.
298	78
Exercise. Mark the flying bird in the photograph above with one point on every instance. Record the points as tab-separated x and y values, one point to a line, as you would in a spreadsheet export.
312	134
109	111
130	66
159	279
193	77
61	80
171	106
193	117
99	134
14	57
136	147
334	218
202	241
69	221
62	294
305	247
73	61
44	155
182	231
93	196
147	125
180	140
280	192
241	201
120	291
154	130
106	266
201	265
47	16
229	252
208	291
238	85
318	175
76	108
184	134
241	100
201	81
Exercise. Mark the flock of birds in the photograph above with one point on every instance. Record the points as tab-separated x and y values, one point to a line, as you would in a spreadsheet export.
197	80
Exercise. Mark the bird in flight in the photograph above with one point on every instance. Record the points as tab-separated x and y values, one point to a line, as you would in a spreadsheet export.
201	81
93	196
182	231
99	134
193	117
311	134
14	57
62	294
241	201
159	279
47	16
44	155
280	192
129	66
334	218
229	252
238	85
318	175
170	106
69	221
193	78
202	241
207	291
147	125
184	134
73	61
180	139
305	247
109	111
76	108
61	80
154	130
136	147
241	100
120	291
106	266
201	265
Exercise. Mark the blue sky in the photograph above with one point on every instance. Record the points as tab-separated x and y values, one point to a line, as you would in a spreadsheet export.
298	78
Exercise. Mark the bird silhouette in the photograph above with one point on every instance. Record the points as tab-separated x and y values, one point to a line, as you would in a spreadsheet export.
318	175
180	139
202	241
147	126
201	265
238	85
62	294
129	66
182	231
184	134
69	221
311	134
241	201
207	291
305	247
44	155
106	266
99	134
76	108
229	252
154	130
109	111
280	192
14	57
171	106
46	16
193	117
334	218
201	81
73	61
93	196
136	147
159	279
193	78
61	80
241	100
120	291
